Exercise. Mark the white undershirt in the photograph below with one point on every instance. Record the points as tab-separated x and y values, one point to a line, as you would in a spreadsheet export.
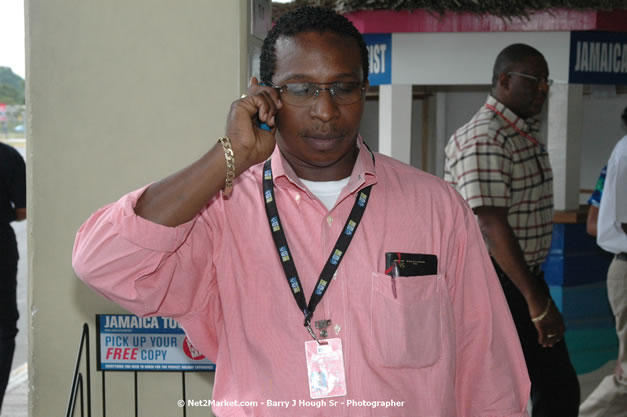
326	191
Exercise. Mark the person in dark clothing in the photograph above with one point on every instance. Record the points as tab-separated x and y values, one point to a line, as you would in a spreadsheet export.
12	208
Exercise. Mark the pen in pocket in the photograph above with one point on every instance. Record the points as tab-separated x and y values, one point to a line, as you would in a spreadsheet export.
394	273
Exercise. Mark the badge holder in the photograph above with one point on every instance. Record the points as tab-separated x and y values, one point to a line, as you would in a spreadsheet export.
325	369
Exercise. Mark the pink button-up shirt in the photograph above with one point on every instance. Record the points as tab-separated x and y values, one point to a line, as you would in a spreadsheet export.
445	346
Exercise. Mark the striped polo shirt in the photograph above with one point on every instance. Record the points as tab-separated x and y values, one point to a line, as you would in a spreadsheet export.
496	160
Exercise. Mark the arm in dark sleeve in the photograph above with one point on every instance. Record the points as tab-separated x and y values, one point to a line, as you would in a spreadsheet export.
18	184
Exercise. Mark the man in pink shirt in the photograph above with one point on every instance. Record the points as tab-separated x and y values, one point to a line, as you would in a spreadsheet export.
328	280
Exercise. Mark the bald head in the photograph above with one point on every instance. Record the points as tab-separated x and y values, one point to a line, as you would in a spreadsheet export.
521	80
510	57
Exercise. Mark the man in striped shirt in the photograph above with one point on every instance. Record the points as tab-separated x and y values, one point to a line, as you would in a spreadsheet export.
500	168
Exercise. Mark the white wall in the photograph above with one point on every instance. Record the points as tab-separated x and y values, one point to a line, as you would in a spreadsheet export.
468	58
461	106
119	93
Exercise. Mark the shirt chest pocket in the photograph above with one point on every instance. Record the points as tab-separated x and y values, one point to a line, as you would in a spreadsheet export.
405	331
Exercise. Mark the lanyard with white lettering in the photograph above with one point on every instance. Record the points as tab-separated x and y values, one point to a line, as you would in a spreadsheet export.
337	254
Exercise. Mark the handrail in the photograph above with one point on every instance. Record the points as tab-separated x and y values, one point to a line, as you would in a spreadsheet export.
77	379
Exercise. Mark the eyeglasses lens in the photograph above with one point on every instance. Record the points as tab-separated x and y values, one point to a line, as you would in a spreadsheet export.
305	94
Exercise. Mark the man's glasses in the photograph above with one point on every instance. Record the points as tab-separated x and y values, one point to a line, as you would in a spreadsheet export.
305	94
538	80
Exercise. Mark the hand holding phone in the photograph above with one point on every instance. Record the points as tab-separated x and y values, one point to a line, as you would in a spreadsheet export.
253	140
261	124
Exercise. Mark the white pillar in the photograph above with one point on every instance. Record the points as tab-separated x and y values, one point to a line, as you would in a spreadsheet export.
395	121
565	123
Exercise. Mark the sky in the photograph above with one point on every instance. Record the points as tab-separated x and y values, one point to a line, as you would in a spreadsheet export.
12	36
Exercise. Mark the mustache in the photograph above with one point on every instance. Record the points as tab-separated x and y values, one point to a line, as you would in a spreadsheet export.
323	132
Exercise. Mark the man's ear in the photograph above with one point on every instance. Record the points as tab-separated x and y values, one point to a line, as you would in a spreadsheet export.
503	81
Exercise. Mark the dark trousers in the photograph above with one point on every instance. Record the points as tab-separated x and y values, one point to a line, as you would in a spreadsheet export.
8	309
554	384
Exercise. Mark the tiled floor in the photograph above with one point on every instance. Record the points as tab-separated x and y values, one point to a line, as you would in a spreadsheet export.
16	398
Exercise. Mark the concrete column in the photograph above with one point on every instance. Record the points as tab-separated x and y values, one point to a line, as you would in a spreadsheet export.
565	116
119	94
395	121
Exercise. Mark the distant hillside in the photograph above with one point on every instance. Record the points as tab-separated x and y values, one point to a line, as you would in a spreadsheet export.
11	87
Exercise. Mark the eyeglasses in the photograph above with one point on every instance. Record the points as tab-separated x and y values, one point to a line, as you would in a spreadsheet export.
546	81
305	94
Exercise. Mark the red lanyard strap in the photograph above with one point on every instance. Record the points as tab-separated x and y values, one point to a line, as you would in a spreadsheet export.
513	125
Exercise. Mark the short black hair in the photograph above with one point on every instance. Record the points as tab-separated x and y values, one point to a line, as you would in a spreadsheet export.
624	116
308	19
510	56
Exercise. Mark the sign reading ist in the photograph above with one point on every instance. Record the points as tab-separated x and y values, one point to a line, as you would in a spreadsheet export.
380	56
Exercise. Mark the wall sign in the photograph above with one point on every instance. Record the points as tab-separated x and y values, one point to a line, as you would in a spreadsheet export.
598	58
126	342
380	56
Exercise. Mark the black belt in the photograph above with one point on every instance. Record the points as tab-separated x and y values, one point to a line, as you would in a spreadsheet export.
622	256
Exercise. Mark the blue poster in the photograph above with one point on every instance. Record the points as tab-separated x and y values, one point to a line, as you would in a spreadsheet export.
130	343
598	58
380	56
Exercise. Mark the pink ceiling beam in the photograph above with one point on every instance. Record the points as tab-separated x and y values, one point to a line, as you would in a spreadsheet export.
387	21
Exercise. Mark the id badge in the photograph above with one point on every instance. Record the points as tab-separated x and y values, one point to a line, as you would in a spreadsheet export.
325	369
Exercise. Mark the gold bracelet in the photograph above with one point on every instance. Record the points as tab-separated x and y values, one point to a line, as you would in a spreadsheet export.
543	315
230	164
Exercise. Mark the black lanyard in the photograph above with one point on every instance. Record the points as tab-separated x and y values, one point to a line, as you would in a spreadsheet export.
285	256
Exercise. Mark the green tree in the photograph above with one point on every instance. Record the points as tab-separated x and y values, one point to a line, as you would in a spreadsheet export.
11	87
